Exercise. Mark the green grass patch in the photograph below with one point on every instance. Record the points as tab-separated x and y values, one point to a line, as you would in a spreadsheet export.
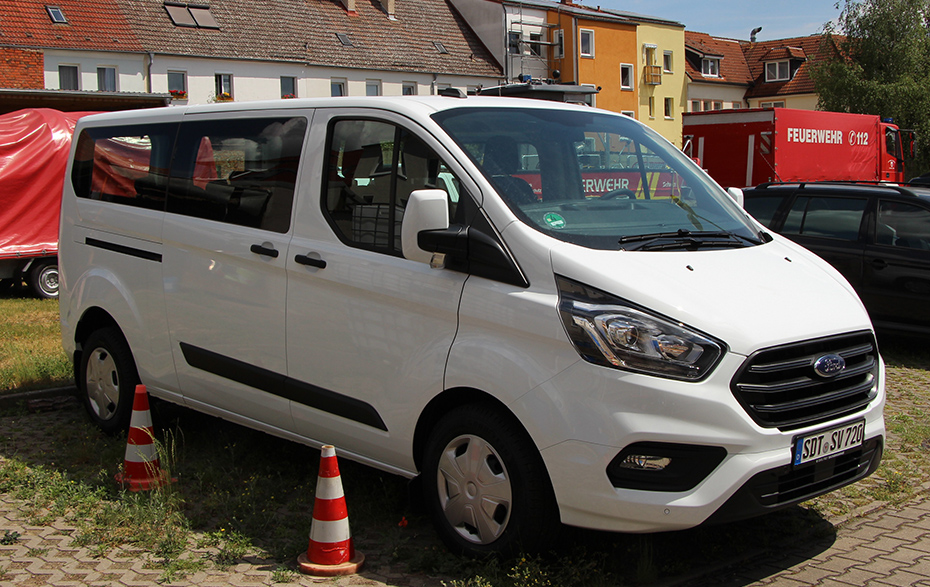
31	356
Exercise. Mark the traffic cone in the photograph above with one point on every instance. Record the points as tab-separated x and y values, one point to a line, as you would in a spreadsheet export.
331	551
141	469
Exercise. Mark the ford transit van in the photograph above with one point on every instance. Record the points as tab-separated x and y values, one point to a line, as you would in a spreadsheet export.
545	311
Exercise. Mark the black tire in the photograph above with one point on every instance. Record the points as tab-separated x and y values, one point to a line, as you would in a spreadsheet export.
43	279
502	501
108	379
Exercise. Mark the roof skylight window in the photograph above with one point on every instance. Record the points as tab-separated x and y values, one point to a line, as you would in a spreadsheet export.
440	47
191	15
344	39
56	14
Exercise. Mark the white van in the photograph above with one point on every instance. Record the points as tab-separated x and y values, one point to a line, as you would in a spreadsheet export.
547	311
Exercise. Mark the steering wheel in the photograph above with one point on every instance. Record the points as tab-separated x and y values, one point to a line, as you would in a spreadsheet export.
626	193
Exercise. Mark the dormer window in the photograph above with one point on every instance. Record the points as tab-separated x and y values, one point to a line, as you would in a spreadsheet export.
56	14
710	67
777	71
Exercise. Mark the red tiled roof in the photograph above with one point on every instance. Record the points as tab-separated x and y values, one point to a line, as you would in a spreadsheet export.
806	48
96	25
733	68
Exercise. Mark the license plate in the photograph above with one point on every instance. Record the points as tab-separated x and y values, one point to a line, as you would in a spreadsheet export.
827	443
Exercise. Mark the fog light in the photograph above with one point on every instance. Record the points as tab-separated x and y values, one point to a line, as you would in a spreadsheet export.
663	466
645	462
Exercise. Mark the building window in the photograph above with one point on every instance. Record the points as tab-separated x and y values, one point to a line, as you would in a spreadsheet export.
410	89
736	105
667	62
696	106
626	76
652	107
513	43
190	16
771	105
337	87
669	107
106	79
558	42
288	87
777	71
710	67
440	47
224	86
177	85
629	113
68	77
372	87
55	13
536	44
587	43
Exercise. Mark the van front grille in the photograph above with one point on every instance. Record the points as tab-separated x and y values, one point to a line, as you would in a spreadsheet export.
779	386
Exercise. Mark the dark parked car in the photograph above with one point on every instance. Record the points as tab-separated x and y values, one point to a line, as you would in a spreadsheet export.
877	236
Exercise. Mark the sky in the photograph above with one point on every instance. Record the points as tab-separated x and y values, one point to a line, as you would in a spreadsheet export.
735	18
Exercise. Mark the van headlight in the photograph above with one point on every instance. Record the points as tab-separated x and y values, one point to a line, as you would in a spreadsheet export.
609	331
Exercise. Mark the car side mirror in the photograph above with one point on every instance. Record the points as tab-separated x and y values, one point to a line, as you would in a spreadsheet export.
737	195
425	210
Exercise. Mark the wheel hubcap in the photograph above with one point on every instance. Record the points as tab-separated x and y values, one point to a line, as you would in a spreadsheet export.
102	382
474	489
48	281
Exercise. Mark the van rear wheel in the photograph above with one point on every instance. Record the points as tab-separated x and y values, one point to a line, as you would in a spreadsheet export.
485	484
108	379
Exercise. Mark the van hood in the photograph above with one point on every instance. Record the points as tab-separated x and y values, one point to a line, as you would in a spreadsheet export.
749	298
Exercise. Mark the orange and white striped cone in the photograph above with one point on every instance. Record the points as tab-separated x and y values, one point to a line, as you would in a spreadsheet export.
331	551
141	468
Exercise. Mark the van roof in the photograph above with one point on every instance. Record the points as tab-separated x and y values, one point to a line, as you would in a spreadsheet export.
412	105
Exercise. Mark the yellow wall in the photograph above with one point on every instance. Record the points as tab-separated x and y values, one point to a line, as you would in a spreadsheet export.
565	65
799	101
674	84
614	43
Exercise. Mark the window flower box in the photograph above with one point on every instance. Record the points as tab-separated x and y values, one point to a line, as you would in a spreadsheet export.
178	94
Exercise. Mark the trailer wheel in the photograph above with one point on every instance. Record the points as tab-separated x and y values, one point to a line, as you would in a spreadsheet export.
43	279
108	379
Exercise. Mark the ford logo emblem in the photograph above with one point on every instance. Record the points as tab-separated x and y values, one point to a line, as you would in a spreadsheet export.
829	365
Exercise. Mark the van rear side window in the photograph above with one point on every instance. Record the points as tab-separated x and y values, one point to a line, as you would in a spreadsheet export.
125	165
237	171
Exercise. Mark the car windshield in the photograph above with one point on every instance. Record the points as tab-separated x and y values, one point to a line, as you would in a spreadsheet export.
597	179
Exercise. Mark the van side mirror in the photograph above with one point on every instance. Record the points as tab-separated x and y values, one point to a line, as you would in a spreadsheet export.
425	210
737	195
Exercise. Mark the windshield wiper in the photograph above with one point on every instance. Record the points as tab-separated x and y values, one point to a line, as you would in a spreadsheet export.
685	239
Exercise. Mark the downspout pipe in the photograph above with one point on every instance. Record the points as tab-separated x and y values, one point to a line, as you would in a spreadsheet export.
148	72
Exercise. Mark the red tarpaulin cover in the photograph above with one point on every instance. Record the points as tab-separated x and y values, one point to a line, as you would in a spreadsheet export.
34	145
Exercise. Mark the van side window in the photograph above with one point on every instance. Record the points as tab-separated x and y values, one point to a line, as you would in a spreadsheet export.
903	225
826	217
124	165
373	167
240	171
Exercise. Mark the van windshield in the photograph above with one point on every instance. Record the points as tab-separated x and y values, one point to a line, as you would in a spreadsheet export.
596	179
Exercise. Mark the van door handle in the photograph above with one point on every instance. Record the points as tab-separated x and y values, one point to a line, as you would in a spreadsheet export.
263	250
879	263
305	260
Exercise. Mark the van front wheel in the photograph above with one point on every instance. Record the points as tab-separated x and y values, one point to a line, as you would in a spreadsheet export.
108	379
485	484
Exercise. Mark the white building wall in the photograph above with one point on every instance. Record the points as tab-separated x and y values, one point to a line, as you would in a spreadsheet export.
251	80
129	69
527	22
716	92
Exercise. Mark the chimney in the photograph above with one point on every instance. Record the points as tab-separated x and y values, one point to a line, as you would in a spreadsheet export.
388	6
350	7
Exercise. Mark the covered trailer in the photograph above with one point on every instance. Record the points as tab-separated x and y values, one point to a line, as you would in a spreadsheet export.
34	146
741	148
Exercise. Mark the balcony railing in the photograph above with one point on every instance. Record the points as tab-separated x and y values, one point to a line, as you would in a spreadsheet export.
653	75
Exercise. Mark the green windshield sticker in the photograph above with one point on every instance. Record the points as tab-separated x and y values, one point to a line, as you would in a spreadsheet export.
554	220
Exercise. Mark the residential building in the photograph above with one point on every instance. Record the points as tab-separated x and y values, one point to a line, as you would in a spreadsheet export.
241	50
718	76
780	71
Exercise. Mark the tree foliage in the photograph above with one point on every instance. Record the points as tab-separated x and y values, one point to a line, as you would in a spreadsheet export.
880	65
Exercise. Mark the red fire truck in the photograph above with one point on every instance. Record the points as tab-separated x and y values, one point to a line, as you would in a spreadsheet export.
741	148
